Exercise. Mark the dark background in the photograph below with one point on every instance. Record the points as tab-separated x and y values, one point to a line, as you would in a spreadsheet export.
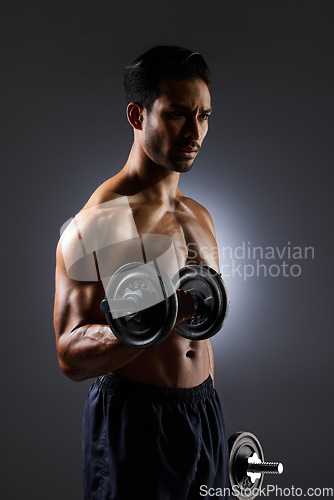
264	173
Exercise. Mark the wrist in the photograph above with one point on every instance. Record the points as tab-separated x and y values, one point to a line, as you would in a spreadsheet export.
186	306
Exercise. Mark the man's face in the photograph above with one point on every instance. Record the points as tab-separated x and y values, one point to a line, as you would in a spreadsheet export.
174	129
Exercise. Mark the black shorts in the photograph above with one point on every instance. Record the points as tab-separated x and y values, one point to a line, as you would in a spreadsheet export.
157	443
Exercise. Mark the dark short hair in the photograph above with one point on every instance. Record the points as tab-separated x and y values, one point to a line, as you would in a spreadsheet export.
142	77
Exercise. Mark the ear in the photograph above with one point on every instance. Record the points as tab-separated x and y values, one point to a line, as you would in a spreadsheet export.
134	113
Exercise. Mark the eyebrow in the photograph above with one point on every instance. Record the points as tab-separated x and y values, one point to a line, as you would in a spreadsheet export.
182	107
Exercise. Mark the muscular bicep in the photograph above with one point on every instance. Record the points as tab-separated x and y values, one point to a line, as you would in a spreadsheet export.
88	253
76	302
93	246
86	346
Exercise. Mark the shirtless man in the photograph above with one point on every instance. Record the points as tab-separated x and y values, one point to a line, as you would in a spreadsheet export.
153	426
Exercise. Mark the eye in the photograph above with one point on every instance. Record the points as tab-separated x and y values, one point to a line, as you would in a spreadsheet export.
204	116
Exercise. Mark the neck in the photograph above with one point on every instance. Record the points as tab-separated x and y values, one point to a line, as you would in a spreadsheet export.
151	180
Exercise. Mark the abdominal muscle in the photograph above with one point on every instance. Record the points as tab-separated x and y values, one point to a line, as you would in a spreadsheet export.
176	362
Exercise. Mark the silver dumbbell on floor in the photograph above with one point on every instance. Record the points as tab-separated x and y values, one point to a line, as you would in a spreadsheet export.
247	466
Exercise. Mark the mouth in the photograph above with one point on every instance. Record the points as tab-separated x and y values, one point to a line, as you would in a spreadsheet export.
187	152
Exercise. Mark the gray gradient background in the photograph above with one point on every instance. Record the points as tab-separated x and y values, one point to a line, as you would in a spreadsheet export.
264	173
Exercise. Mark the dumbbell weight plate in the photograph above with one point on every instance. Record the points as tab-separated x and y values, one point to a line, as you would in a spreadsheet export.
206	282
157	313
243	445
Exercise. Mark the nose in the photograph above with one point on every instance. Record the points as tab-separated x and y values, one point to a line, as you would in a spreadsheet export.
192	129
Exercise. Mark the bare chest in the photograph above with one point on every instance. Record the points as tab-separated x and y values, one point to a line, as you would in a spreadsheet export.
176	239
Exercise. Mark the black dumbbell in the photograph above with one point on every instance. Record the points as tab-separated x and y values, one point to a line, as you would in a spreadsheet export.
247	466
210	298
141	303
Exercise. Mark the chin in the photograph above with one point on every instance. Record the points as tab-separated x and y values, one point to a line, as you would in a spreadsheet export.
181	168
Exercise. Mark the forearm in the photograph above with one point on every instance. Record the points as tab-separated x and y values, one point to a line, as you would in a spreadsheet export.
92	350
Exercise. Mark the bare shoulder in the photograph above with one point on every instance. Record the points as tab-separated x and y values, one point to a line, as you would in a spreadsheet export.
107	191
103	223
199	211
104	207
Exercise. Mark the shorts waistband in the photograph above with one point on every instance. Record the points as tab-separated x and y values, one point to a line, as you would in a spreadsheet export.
132	390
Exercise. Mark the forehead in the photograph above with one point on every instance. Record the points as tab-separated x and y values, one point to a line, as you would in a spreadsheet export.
191	93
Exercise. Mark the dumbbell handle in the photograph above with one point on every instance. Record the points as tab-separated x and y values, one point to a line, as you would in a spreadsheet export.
130	303
266	468
126	305
196	296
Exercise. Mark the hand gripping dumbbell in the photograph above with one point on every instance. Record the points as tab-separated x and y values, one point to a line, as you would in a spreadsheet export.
141	303
247	465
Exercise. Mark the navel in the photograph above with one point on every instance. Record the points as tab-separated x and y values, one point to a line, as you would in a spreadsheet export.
190	354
